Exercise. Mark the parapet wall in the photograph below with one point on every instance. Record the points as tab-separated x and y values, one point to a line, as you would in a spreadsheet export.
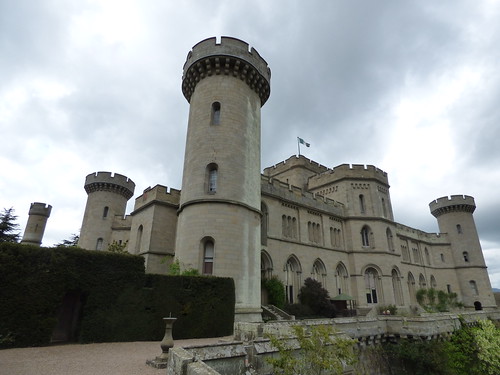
40	209
229	57
159	193
293	162
107	181
455	203
419	235
348	171
295	194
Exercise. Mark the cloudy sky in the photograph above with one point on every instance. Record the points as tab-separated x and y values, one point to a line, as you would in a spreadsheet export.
412	87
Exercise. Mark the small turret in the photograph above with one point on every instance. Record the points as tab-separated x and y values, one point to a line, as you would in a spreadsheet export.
37	220
454	216
107	197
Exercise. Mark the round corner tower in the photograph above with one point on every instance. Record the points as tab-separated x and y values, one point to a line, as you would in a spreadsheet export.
218	230
37	220
107	197
455	218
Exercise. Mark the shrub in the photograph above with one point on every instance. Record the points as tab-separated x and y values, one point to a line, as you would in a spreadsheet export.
275	291
313	294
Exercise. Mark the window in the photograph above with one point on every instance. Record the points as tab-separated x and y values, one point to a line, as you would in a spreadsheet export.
293	272
384	208
448	288
341	279
442	257
433	282
105	212
371	281
412	290
390	241
138	240
365	236
396	288
473	287
216	113
98	245
319	272
266	265
459	229
422	284
466	256
362	203
427	257
208	257
212	178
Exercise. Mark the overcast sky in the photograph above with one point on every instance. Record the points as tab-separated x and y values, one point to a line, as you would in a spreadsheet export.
412	87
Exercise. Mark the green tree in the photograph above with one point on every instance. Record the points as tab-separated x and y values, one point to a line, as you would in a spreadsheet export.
71	242
9	229
275	291
313	294
321	351
117	247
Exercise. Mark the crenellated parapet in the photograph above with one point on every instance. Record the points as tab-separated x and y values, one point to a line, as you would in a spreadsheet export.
229	57
279	189
350	172
40	209
455	203
295	162
158	194
106	181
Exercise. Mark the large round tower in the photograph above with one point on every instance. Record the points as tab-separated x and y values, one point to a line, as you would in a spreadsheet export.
107	197
454	215
37	220
218	230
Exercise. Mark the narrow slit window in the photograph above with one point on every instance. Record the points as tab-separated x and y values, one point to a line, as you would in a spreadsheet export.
216	113
105	212
208	258
212	178
362	203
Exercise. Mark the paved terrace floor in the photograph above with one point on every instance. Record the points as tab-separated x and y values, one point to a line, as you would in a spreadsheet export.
122	358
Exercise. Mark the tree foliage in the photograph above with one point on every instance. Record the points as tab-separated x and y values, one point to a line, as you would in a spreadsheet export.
275	291
72	241
445	301
313	294
9	229
319	351
117	247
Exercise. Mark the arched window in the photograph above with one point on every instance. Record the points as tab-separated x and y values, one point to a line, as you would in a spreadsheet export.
283	225
396	288
319	272
365	236
433	282
294	228
427	256
422	284
208	257
99	243
390	240
212	178
473	287
362	207
384	208
411	288
266	265
466	256
459	229
264	222
138	240
293	272
216	113
105	212
372	285
341	279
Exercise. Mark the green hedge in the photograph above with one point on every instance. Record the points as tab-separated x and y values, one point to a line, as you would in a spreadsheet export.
121	302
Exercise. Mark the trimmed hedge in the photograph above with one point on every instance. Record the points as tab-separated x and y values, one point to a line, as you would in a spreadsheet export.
121	302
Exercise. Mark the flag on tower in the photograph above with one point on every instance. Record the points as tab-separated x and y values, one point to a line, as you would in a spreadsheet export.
303	142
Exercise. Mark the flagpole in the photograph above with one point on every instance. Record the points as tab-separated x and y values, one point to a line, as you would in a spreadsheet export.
298	145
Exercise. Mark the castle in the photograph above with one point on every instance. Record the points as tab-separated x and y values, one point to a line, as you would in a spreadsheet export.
297	219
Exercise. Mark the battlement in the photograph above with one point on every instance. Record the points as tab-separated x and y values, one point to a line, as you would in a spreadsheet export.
40	209
454	203
160	194
229	57
295	194
294	162
107	181
349	171
419	235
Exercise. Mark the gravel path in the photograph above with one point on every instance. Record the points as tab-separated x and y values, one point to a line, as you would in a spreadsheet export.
122	358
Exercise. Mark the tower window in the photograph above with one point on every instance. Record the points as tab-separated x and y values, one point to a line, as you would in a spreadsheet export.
466	256
208	258
365	236
459	229
215	113
105	212
212	178
362	203
98	245
473	287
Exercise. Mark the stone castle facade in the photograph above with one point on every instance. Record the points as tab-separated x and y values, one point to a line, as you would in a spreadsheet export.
297	219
